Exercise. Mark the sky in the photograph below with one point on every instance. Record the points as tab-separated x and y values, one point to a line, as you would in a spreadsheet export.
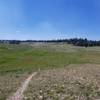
49	19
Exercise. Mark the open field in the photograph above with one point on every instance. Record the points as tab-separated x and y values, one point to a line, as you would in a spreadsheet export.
14	58
18	61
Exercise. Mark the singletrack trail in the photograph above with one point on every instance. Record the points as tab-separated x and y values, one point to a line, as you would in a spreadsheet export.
18	95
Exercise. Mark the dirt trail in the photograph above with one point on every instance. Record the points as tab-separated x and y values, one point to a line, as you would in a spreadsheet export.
18	95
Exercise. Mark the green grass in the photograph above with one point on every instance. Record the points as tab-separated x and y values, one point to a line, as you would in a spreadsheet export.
29	58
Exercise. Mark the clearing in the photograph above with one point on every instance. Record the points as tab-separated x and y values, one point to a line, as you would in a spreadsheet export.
17	62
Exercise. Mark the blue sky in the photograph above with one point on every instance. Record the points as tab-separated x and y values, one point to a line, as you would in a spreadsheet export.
49	19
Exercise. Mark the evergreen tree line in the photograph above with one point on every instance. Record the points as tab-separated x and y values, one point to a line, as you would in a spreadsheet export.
74	41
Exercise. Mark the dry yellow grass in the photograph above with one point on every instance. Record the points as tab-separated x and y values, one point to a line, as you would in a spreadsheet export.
9	83
76	82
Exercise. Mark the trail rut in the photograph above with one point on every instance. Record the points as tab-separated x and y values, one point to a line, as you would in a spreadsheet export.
18	95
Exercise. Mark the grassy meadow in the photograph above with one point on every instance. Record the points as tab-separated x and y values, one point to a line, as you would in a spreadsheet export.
16	58
18	61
